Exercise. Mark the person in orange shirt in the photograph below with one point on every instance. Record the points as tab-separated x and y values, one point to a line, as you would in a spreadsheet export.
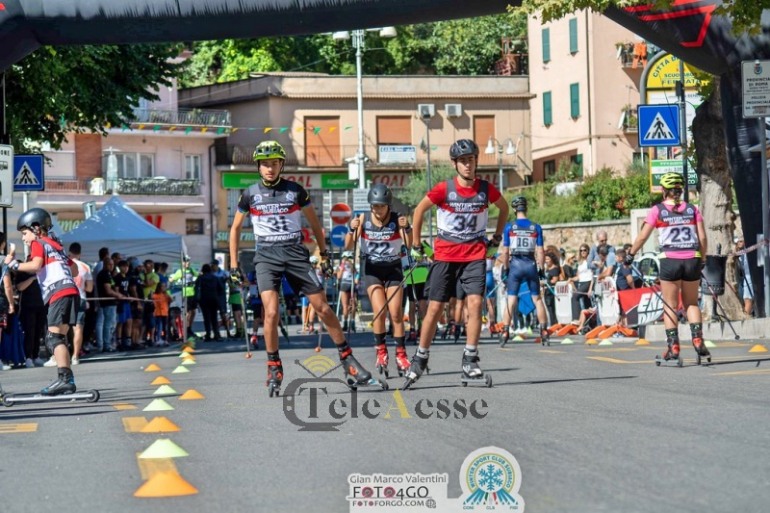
161	299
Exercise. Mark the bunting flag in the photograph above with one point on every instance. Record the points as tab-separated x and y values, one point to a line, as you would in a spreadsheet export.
187	129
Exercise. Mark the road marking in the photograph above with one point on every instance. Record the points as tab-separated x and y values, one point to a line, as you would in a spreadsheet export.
134	424
613	350
551	351
744	372
29	427
615	360
124	406
150	467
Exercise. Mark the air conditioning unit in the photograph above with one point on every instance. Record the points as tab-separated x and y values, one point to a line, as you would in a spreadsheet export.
453	110
426	110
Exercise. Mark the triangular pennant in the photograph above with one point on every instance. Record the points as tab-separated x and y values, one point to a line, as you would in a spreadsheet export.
267	129
317	130
283	129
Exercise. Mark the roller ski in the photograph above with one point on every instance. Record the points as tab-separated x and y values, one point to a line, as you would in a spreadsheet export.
459	330
274	377
357	376
701	351
670	355
382	360
402	361
417	366
472	373
61	390
505	336
544	338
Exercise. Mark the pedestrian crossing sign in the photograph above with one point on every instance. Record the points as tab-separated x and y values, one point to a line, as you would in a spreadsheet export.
659	125
28	173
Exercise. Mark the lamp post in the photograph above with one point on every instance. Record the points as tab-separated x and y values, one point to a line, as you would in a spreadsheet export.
426	111
359	43
509	150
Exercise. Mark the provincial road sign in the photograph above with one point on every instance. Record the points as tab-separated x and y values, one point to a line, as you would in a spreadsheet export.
341	213
338	235
659	125
28	173
6	175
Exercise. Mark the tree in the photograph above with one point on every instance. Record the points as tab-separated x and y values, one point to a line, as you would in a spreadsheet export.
56	90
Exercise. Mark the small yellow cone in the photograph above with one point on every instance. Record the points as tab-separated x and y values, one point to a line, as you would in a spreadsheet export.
164	390
160	380
163	448
188	361
188	349
642	342
180	370
605	342
165	484
518	338
160	425
759	348
184	354
709	344
591	342
567	341
190	395
158	405
152	368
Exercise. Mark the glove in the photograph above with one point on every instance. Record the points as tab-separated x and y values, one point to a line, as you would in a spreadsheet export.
541	273
628	259
14	265
236	277
326	266
504	275
495	241
418	252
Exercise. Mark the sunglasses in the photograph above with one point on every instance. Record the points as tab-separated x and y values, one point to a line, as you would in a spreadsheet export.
584	251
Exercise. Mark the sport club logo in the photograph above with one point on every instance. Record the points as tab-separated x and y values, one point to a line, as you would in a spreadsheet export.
452	196
289	196
490	478
482	196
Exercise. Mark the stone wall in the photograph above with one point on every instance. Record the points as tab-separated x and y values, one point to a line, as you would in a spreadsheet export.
569	236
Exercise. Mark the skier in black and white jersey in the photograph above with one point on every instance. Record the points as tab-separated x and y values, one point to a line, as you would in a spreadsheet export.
275	207
382	247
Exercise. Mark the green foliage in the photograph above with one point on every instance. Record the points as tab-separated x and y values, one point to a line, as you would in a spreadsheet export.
462	47
606	196
417	187
59	89
546	207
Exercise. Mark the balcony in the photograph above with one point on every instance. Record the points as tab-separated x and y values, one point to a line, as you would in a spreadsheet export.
629	120
182	117
157	186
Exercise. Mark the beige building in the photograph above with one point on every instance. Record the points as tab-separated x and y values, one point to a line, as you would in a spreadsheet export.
584	76
315	117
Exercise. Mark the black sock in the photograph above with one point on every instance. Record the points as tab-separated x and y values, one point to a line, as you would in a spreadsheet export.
379	339
273	357
400	341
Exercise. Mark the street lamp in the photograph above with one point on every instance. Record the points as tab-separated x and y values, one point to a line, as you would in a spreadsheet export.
359	44
426	111
509	150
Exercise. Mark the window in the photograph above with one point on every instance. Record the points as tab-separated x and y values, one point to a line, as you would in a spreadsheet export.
573	36
549	169
132	165
574	101
483	129
547	109
192	167
194	226
395	130
546	36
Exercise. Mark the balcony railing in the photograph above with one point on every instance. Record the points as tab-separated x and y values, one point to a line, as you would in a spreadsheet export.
156	186
186	117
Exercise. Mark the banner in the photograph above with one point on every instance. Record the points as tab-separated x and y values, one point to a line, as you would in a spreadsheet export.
642	306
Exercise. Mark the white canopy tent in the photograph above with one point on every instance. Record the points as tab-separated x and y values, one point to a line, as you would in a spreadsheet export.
119	228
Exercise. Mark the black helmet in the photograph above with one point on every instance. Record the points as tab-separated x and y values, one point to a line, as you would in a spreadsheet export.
34	217
519	203
463	147
380	194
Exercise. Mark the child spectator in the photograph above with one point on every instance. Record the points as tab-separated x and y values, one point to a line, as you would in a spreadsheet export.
161	300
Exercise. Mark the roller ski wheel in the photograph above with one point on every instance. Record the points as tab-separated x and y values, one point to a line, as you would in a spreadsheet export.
486	380
89	396
254	342
382	360
356	375
402	362
701	351
670	355
503	338
417	367
274	377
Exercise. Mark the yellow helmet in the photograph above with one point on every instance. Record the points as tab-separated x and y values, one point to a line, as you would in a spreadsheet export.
269	150
672	181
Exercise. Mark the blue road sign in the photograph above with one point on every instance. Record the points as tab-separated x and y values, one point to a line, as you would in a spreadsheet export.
28	173
338	235
659	125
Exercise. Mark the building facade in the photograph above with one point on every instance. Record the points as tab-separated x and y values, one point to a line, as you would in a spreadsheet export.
407	121
584	73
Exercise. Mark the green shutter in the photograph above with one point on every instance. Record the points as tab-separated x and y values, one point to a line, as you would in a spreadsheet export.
546	45
574	100
547	109
573	35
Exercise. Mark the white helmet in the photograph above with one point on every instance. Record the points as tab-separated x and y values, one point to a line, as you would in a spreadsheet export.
314	260
347	254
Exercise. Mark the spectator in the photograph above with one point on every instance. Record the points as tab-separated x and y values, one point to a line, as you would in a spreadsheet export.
187	276
601	240
7	306
108	296
150	280
569	267
32	314
583	282
161	301
103	253
135	289
601	266
162	270
223	278
208	291
85	284
553	275
123	308
743	276
624	278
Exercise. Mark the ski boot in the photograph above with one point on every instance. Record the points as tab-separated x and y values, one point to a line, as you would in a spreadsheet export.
64	384
545	337
701	350
274	377
417	366
472	373
382	360
402	361
355	374
671	353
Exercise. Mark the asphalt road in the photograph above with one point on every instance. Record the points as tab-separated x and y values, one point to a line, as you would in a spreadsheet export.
592	428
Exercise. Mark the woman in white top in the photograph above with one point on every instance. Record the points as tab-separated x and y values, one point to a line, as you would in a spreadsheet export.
583	281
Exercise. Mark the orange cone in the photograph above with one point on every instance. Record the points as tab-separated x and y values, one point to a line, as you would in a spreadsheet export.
152	368
160	425
189	349
160	380
191	395
165	484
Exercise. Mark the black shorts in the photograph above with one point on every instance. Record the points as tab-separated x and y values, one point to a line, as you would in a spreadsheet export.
415	291
148	316
675	269
64	311
445	279
273	262
192	304
346	286
383	275
236	307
